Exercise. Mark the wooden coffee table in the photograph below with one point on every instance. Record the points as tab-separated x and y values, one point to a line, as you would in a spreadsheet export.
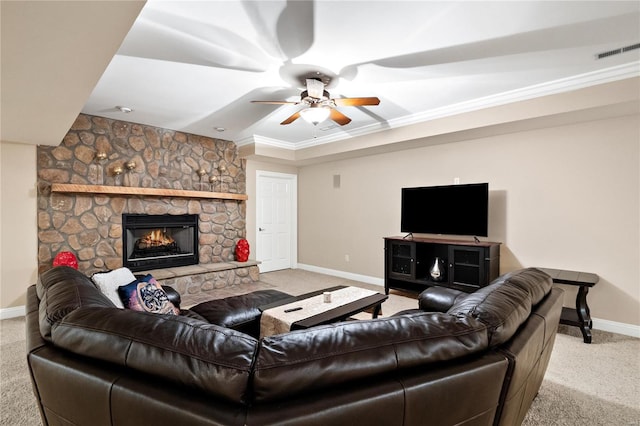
339	313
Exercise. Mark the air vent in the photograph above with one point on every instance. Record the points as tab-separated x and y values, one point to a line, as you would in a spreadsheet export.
617	51
632	47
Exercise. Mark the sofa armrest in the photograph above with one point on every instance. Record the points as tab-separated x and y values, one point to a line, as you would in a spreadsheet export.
172	295
439	299
242	312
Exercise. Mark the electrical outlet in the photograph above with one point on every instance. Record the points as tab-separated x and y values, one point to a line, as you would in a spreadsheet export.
456	180
346	258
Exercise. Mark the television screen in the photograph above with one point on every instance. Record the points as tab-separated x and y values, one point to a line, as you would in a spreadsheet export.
450	209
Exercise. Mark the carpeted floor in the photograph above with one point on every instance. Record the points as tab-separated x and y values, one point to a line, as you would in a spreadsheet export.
596	384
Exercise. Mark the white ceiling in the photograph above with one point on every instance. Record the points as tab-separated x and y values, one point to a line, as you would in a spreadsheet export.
194	66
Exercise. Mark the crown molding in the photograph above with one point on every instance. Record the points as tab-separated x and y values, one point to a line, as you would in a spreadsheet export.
563	85
262	140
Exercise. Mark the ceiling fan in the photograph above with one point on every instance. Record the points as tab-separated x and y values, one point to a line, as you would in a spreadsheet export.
320	106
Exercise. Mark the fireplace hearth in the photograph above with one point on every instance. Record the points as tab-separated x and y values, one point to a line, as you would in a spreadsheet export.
159	241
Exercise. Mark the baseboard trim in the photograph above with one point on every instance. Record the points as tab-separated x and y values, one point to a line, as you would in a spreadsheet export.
16	311
598	324
616	327
342	274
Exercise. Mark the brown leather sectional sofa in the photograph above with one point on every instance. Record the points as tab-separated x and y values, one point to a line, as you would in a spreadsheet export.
478	361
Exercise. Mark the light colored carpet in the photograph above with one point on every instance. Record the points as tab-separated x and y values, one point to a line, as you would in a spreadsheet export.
17	403
590	385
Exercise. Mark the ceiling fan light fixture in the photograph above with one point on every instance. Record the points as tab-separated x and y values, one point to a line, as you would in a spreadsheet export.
315	114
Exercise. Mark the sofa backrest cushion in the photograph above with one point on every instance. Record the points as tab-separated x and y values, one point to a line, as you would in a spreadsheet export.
214	359
62	290
537	283
506	303
76	316
322	356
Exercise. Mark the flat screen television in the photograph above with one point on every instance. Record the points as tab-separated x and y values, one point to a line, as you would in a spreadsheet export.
449	209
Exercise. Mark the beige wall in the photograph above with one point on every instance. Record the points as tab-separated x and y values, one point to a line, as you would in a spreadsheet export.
18	224
564	197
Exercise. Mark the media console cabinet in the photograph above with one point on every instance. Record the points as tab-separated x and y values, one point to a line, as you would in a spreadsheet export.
465	265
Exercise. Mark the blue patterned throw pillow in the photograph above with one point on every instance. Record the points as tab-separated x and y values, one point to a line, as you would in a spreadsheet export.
146	295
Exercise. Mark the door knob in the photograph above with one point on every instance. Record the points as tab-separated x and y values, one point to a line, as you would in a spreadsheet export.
261	229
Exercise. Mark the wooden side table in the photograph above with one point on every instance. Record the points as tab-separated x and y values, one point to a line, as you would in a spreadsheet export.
581	315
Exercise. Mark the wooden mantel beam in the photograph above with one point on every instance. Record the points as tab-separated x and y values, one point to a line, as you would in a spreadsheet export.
150	192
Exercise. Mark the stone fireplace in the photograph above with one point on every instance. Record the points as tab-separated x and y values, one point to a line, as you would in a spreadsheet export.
90	223
159	241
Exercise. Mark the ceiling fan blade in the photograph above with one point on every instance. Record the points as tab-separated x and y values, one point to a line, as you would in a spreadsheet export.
315	88
291	119
275	102
339	117
356	101
166	36
295	27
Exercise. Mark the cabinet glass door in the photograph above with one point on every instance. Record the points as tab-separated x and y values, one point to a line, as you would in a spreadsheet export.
402	259
466	266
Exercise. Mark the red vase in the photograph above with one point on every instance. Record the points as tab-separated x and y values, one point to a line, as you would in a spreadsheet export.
242	250
66	258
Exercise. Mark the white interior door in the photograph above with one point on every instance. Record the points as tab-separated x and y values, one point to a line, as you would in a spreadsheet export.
276	221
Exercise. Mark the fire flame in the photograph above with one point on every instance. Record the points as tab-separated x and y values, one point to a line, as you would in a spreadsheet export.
156	238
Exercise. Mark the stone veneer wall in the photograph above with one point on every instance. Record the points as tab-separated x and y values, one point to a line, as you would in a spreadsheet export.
90	225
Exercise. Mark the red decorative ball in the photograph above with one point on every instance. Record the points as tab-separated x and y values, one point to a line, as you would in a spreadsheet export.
66	258
242	250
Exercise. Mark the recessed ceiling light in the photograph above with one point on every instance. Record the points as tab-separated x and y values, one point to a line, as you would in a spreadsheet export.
124	109
219	129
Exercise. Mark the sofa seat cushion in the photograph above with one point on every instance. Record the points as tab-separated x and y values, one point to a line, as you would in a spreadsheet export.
239	312
190	314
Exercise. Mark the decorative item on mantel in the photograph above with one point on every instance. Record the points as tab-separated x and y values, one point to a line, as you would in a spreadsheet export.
96	171
117	175
221	168
128	179
212	181
215	179
200	186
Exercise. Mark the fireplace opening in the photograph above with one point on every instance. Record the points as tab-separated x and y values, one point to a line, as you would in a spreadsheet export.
159	241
